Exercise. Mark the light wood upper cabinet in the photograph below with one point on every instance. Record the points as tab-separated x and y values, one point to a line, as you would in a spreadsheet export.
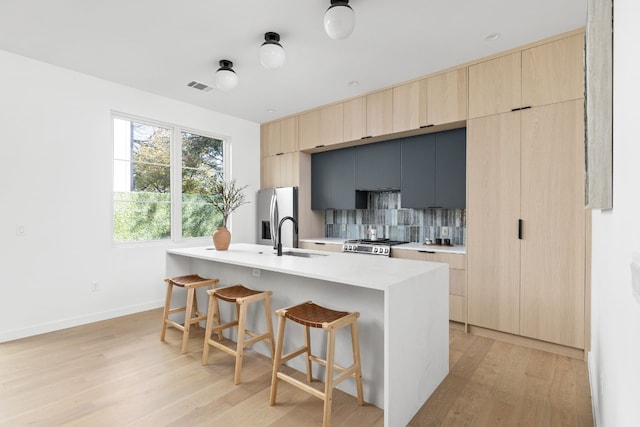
447	97
309	130
279	137
493	210
331	125
270	139
553	214
410	106
355	119
281	170
380	113
321	127
541	75
289	135
553	72
495	86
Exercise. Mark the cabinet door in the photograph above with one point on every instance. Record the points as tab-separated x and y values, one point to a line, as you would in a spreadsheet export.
410	106
495	86
289	135
355	119
378	166
309	130
270	176
418	171
343	185
447	97
333	179
553	72
331	125
553	245
380	113
289	164
321	180
270	139
493	248
451	169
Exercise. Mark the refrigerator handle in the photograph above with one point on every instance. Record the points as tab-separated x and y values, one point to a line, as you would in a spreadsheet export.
273	218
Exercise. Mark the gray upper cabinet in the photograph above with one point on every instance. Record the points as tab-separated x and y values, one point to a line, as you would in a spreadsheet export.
378	166
451	167
418	171
333	179
434	170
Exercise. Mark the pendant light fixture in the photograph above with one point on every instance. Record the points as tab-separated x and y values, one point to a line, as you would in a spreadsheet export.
339	20
226	78
271	52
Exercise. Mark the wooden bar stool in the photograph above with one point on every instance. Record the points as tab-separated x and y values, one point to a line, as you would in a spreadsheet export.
191	316
312	315
241	297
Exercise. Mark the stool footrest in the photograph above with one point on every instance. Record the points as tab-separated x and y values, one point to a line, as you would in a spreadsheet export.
293	354
303	386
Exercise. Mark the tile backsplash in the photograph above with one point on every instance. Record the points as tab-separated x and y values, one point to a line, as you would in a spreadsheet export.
390	221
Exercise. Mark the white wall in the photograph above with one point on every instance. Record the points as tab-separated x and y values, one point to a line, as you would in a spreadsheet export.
614	361
55	180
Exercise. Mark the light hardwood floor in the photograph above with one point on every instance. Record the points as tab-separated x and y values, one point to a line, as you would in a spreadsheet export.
117	373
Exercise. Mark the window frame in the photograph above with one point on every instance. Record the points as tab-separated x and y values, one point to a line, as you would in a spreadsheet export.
175	177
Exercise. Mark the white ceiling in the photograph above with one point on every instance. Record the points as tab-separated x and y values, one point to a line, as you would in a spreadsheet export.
161	45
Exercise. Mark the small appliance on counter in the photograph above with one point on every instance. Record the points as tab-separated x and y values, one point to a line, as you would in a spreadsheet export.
273	204
369	246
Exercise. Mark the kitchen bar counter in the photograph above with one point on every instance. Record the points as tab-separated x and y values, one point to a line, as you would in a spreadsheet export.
403	308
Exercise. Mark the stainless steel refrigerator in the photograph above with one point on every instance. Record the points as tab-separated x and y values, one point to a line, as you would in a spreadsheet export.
274	204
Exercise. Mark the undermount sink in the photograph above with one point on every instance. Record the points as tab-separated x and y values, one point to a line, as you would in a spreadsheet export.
302	254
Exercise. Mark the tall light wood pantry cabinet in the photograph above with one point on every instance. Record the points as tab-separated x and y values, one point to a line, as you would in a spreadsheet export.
526	220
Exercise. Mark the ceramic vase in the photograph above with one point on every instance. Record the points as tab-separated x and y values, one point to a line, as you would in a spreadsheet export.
221	238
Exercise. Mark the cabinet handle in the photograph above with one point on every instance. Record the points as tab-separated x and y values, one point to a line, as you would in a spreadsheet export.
427	252
521	108
426	126
279	154
365	137
520	229
320	146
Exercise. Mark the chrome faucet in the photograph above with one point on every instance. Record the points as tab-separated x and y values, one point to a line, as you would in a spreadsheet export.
295	225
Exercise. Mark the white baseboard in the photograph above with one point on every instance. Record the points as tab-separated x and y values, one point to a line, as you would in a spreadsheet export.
76	321
593	385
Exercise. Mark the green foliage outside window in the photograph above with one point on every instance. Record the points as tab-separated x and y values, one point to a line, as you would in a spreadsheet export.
142	182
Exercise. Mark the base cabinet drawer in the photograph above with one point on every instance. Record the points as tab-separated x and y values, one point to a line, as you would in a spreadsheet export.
328	247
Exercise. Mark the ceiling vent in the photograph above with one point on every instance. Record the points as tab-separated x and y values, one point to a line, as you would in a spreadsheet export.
200	86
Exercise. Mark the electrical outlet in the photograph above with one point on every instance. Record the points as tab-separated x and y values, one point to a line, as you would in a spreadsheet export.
635	279
20	230
256	272
95	286
444	231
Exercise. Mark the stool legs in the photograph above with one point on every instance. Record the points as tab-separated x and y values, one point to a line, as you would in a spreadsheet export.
241	305
165	313
187	318
330	381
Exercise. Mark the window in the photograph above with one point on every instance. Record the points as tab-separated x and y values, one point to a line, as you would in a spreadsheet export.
152	164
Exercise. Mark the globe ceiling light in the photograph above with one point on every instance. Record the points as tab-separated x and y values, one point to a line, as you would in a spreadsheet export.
271	52
339	20
226	78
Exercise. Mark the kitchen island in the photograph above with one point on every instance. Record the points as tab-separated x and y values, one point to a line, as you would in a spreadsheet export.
403	306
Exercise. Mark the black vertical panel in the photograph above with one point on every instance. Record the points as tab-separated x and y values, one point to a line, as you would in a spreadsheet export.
418	171
378	166
451	168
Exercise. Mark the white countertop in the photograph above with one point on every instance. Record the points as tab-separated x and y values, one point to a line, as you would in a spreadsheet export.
414	246
368	271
